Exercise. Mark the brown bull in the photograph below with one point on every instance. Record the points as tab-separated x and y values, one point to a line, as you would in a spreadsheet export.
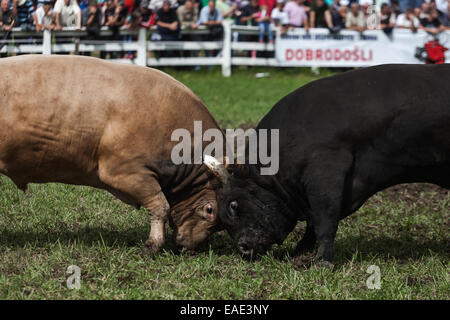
84	121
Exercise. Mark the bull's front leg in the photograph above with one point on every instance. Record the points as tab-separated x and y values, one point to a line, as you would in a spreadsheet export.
138	183
159	213
308	242
326	189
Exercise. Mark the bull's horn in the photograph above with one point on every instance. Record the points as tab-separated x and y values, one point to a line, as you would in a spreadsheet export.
216	167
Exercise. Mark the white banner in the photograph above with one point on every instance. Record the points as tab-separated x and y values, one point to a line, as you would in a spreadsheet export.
351	48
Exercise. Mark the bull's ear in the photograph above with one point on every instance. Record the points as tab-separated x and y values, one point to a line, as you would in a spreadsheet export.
217	168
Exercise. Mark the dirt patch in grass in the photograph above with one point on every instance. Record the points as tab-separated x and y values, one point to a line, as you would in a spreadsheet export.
303	261
412	196
418	281
413	192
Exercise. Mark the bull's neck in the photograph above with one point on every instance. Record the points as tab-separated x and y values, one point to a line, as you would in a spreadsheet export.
273	184
184	181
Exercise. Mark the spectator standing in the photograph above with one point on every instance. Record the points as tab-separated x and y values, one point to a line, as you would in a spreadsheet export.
155	5
226	10
338	15
114	17
432	24
250	13
407	20
147	16
387	19
7	16
270	4
395	8
355	18
24	14
445	19
188	15
279	17
83	4
167	22
424	10
7	20
92	20
263	20
442	6
68	14
249	16
417	12
44	17
297	14
211	17
319	14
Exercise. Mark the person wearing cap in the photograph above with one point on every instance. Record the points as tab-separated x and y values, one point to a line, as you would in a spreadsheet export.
44	17
24	10
68	14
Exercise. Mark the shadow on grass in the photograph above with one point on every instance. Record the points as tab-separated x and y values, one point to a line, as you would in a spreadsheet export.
93	236
402	248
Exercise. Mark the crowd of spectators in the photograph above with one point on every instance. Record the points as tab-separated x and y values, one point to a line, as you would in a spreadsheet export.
169	16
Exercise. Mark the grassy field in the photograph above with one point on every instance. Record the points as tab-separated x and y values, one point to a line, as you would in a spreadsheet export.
404	231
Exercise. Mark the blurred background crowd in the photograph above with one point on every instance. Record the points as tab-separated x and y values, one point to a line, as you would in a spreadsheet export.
169	16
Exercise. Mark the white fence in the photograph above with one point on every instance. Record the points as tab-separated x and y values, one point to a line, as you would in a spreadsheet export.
70	40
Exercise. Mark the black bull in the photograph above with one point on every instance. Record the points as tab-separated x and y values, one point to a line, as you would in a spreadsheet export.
342	139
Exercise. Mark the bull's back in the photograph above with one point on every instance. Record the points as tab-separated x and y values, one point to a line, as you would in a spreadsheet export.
389	107
59	115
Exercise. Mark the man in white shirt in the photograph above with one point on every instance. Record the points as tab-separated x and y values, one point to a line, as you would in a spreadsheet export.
68	14
407	20
44	17
278	16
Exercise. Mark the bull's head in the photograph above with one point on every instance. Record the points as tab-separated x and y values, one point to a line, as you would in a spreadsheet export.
253	215
194	218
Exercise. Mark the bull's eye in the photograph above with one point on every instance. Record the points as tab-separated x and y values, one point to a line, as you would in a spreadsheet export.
208	212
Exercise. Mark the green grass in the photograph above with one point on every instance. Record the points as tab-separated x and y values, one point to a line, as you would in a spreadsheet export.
42	232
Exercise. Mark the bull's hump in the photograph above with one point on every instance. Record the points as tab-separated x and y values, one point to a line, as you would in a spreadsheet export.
109	87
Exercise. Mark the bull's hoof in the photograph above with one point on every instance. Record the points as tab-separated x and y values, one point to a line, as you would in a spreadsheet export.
152	247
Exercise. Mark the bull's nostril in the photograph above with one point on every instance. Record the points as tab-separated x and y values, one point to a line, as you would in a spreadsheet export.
243	248
179	237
